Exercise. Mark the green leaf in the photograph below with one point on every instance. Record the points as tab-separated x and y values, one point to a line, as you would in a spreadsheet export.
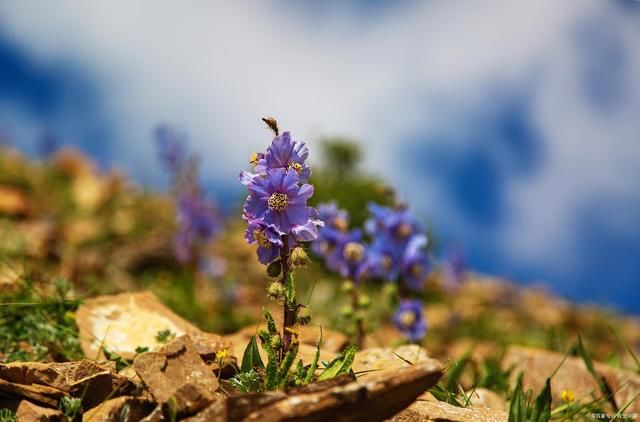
340	365
456	371
604	388
247	382
542	411
251	357
440	393
287	363
271	324
314	364
289	290
517	408
271	381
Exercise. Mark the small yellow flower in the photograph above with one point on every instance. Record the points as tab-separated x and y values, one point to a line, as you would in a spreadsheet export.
221	354
567	396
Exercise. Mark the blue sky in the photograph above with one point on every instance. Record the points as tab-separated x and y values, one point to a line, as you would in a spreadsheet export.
512	127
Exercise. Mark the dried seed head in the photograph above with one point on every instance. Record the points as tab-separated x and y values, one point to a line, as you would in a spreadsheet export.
299	257
303	315
276	291
272	123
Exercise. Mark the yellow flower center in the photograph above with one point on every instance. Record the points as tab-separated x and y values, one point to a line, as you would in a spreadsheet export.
407	318
353	251
340	224
296	166
387	262
416	270
404	230
278	202
254	158
261	238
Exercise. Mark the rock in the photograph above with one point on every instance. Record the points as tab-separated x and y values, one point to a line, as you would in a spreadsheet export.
28	411
177	375
388	359
537	365
125	322
376	396
13	201
72	378
114	410
482	397
41	394
217	411
427	410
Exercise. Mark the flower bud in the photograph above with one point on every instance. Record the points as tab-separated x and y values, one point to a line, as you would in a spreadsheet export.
347	286
303	315
346	311
299	257
273	269
390	289
358	316
364	301
276	342
276	290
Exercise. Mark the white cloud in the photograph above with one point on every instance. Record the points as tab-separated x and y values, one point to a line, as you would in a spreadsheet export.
214	68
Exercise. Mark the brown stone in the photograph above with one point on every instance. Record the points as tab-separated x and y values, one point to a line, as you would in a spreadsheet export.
38	393
177	375
216	411
126	321
375	396
537	365
376	359
482	397
28	411
13	201
73	378
111	410
428	410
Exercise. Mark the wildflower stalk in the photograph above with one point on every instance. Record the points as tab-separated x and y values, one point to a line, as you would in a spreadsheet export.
289	305
359	323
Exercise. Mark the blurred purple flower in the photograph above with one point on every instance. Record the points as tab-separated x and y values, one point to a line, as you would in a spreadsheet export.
409	319
198	222
171	149
279	200
454	267
336	222
415	263
394	226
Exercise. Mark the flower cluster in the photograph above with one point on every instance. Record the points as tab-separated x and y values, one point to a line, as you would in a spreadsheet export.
409	319
197	217
276	209
394	252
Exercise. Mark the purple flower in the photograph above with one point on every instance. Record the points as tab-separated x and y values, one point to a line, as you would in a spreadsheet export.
279	200
415	263
395	226
349	256
171	149
285	153
198	223
454	267
409	319
336	223
268	239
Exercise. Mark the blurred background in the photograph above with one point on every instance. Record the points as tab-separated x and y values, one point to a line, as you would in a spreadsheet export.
512	127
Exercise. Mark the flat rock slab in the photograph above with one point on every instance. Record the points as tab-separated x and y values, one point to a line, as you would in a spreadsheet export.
127	321
33	413
537	365
69	378
375	396
113	410
40	394
177	375
378	358
428	410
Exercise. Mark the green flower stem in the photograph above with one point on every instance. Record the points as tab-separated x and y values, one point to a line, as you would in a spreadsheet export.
289	305
355	304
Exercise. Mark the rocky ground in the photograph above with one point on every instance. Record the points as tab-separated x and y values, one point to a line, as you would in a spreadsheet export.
76	345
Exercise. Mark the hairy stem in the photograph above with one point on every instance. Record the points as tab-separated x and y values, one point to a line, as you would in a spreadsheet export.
355	304
289	306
